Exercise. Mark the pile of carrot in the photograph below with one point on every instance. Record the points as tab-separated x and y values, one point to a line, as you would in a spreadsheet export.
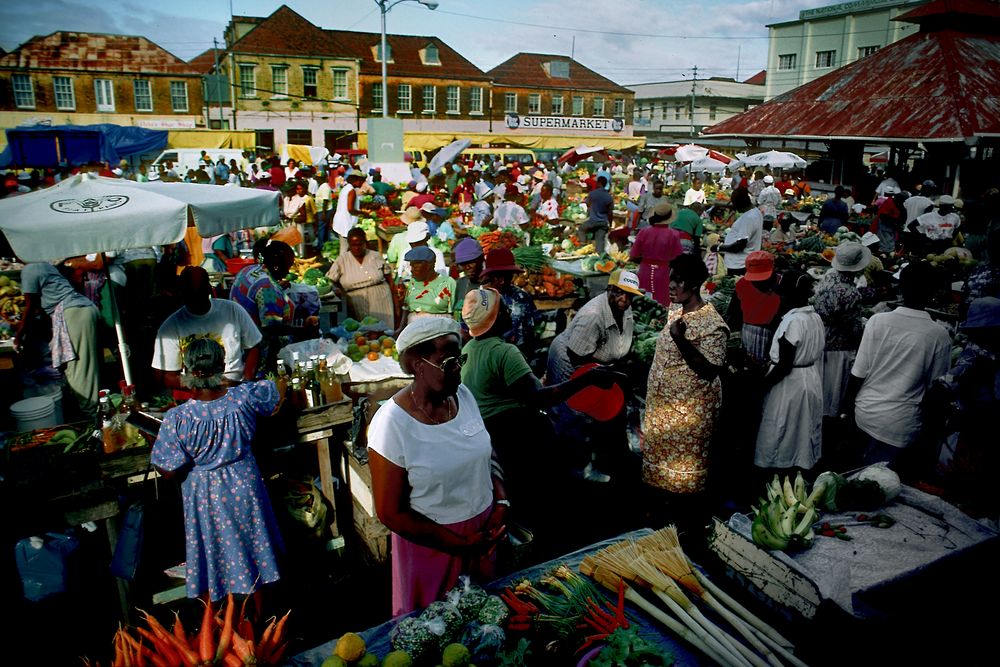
224	638
497	239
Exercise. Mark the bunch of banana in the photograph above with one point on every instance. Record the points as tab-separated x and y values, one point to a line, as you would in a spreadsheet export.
620	256
300	266
11	307
585	250
785	519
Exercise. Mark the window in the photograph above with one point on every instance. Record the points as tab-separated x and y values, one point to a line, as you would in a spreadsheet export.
534	103
248	81
104	94
476	100
179	95
142	94
279	81
300	137
264	139
309	76
825	59
787	61
404	104
619	108
712	112
377	96
452	99
378	52
430	99
340	84
866	51
559	69
677	111
65	96
598	106
557	105
665	111
431	55
577	105
24	91
510	102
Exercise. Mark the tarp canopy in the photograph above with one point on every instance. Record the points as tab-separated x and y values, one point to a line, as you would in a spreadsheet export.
428	141
87	214
211	139
46	146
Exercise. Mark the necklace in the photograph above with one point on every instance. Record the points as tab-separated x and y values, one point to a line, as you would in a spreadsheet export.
413	402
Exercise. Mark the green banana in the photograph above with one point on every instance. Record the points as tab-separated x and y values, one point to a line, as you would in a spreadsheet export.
819	490
799	487
805	524
764	537
788	519
788	493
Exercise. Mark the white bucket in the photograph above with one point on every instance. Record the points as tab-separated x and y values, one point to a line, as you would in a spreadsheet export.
53	390
32	413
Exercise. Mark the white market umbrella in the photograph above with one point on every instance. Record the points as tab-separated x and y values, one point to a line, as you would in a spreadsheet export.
690	153
90	214
575	155
448	154
774	159
708	164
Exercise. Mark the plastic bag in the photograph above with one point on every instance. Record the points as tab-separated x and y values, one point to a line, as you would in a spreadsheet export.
467	597
444	620
484	641
335	357
305	301
43	564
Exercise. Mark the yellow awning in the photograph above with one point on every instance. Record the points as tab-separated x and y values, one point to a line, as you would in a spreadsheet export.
428	141
211	139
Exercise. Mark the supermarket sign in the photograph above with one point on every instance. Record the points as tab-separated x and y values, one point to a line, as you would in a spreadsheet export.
517	122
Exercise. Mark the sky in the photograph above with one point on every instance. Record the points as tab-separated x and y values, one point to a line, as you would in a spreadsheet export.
628	41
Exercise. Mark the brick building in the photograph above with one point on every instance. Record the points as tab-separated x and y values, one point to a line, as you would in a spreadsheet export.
74	78
541	93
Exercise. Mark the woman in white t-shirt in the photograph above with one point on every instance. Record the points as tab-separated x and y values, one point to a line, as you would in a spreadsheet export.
435	480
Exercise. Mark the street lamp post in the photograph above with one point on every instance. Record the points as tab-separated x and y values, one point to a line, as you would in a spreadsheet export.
384	7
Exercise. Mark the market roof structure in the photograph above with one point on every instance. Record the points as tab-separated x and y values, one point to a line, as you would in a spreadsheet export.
535	70
941	84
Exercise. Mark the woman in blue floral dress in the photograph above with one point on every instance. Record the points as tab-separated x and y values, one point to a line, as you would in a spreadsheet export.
230	530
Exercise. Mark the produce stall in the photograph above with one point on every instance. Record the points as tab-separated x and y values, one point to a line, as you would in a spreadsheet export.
873	535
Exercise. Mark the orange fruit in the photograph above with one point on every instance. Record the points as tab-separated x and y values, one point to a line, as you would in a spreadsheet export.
361	341
374	346
373	356
388	343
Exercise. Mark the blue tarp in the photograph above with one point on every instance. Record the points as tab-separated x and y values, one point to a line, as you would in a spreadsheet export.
43	146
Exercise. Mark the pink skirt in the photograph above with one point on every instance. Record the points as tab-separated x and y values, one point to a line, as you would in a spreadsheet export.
421	575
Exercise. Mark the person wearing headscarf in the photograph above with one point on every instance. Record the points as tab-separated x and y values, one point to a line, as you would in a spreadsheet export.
435	480
231	534
363	277
654	248
791	428
684	392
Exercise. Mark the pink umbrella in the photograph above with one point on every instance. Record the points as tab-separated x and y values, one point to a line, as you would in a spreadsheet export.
574	155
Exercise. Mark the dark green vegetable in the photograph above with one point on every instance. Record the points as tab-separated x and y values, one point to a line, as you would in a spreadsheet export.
625	648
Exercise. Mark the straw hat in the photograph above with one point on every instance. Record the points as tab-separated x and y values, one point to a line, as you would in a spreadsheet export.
851	256
411	215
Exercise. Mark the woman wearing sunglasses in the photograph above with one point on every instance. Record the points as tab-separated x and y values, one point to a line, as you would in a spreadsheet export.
436	483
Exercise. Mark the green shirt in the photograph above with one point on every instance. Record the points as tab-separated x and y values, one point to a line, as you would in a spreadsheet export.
491	367
436	297
382	188
688	221
398	246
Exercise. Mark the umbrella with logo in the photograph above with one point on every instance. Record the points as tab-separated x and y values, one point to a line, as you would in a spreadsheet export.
89	214
708	164
773	159
448	154
574	155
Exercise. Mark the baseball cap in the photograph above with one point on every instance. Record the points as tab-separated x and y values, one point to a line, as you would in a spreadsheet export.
480	309
759	265
417	232
625	281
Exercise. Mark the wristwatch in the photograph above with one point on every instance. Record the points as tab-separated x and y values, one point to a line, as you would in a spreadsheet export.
502	501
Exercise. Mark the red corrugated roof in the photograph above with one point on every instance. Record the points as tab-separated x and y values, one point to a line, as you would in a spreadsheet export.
96	52
404	51
527	70
758	79
942	85
976	8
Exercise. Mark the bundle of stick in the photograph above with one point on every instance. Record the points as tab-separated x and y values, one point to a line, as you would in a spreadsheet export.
657	563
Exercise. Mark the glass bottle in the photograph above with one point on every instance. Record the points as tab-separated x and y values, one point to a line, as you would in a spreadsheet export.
298	400
311	387
109	430
281	382
329	382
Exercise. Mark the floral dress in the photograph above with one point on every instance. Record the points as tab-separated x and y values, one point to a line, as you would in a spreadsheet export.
436	297
838	302
230	530
681	408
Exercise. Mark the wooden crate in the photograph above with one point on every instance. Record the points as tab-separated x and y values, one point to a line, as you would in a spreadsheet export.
372	532
774	582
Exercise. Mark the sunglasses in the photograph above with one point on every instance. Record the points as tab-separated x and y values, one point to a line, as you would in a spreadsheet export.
449	365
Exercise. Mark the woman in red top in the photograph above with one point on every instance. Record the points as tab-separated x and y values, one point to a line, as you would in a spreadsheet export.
754	309
654	248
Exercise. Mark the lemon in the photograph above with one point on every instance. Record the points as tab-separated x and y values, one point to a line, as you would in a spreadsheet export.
334	661
350	647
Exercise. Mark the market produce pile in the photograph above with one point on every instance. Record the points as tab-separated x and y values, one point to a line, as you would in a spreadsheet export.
366	339
225	637
11	305
649	319
789	518
310	272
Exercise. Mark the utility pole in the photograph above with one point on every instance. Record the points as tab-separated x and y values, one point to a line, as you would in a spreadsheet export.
694	81
216	93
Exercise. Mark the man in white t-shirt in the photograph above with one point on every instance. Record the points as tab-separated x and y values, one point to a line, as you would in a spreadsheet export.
901	353
694	193
939	226
201	316
744	237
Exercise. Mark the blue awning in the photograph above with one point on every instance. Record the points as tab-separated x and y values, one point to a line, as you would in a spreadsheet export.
45	146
